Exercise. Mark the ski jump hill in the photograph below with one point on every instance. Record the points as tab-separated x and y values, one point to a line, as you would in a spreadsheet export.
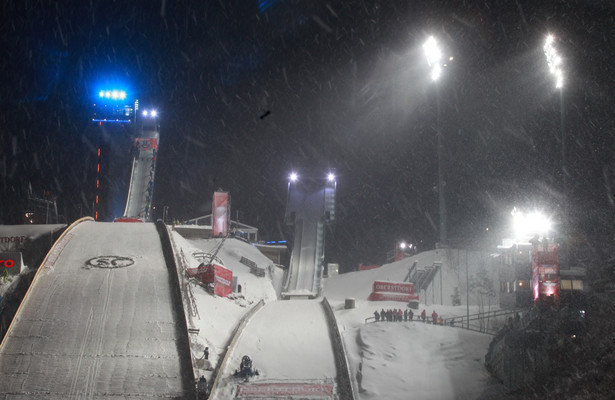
99	321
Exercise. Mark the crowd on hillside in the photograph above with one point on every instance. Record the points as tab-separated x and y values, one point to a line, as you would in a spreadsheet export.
396	315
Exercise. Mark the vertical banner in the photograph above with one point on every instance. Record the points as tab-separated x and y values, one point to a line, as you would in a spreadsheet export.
219	214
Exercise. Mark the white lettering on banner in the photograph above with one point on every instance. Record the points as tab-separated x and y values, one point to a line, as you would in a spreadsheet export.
392	287
284	389
223	281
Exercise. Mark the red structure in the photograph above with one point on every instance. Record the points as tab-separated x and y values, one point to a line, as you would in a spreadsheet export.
545	274
221	277
220	212
367	267
128	219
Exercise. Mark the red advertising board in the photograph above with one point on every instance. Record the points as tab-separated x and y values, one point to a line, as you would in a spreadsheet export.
219	214
392	291
385	296
367	267
393	287
221	277
285	390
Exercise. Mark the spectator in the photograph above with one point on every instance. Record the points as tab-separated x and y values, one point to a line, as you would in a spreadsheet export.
434	317
410	315
382	314
405	315
376	315
441	321
423	315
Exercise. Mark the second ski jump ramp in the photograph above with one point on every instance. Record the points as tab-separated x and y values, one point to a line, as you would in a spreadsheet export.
98	321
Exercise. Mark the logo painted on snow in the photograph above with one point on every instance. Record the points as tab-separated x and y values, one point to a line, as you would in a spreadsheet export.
110	262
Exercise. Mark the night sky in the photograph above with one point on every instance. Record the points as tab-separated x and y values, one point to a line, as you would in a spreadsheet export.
250	90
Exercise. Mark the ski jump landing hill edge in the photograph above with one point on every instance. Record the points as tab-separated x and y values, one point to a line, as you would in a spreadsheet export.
98	321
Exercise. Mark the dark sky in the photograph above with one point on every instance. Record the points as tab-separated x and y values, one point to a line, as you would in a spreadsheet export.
345	84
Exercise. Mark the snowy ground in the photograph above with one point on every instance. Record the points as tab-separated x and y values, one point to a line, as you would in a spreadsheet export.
388	360
289	340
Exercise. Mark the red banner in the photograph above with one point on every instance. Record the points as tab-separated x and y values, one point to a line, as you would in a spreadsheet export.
384	296
223	284
287	390
219	214
367	267
221	277
393	287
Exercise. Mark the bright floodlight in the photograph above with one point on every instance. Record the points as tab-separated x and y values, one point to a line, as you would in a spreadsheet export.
434	55
293	176
154	113
101	93
145	113
331	177
554	61
402	245
528	225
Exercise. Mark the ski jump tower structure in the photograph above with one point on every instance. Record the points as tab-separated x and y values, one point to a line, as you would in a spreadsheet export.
310	207
145	149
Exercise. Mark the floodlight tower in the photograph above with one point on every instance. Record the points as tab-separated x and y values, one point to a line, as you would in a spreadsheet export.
434	60
555	64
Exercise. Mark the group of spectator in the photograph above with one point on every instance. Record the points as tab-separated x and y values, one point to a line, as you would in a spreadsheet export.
393	315
397	315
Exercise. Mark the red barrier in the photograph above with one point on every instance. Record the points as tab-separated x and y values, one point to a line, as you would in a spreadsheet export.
221	277
367	267
384	296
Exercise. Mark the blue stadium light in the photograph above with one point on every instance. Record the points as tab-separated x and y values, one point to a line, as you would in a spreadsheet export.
113	94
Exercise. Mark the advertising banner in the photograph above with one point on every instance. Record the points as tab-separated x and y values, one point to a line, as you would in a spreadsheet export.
10	263
223	283
221	277
387	296
393	291
285	390
367	267
219	214
393	287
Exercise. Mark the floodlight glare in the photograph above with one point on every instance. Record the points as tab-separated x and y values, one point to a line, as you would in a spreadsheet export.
145	113
527	225
433	55
101	93
293	177
554	61
154	113
402	245
330	177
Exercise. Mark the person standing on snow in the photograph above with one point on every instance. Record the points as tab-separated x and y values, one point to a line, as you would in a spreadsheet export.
206	353
405	315
434	317
382	314
376	315
410	315
423	315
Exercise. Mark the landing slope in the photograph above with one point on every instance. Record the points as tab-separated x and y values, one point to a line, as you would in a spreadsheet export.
94	326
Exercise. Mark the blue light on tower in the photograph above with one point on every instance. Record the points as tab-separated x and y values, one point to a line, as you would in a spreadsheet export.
113	105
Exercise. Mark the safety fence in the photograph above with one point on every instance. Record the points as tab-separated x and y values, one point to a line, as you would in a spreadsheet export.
489	322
